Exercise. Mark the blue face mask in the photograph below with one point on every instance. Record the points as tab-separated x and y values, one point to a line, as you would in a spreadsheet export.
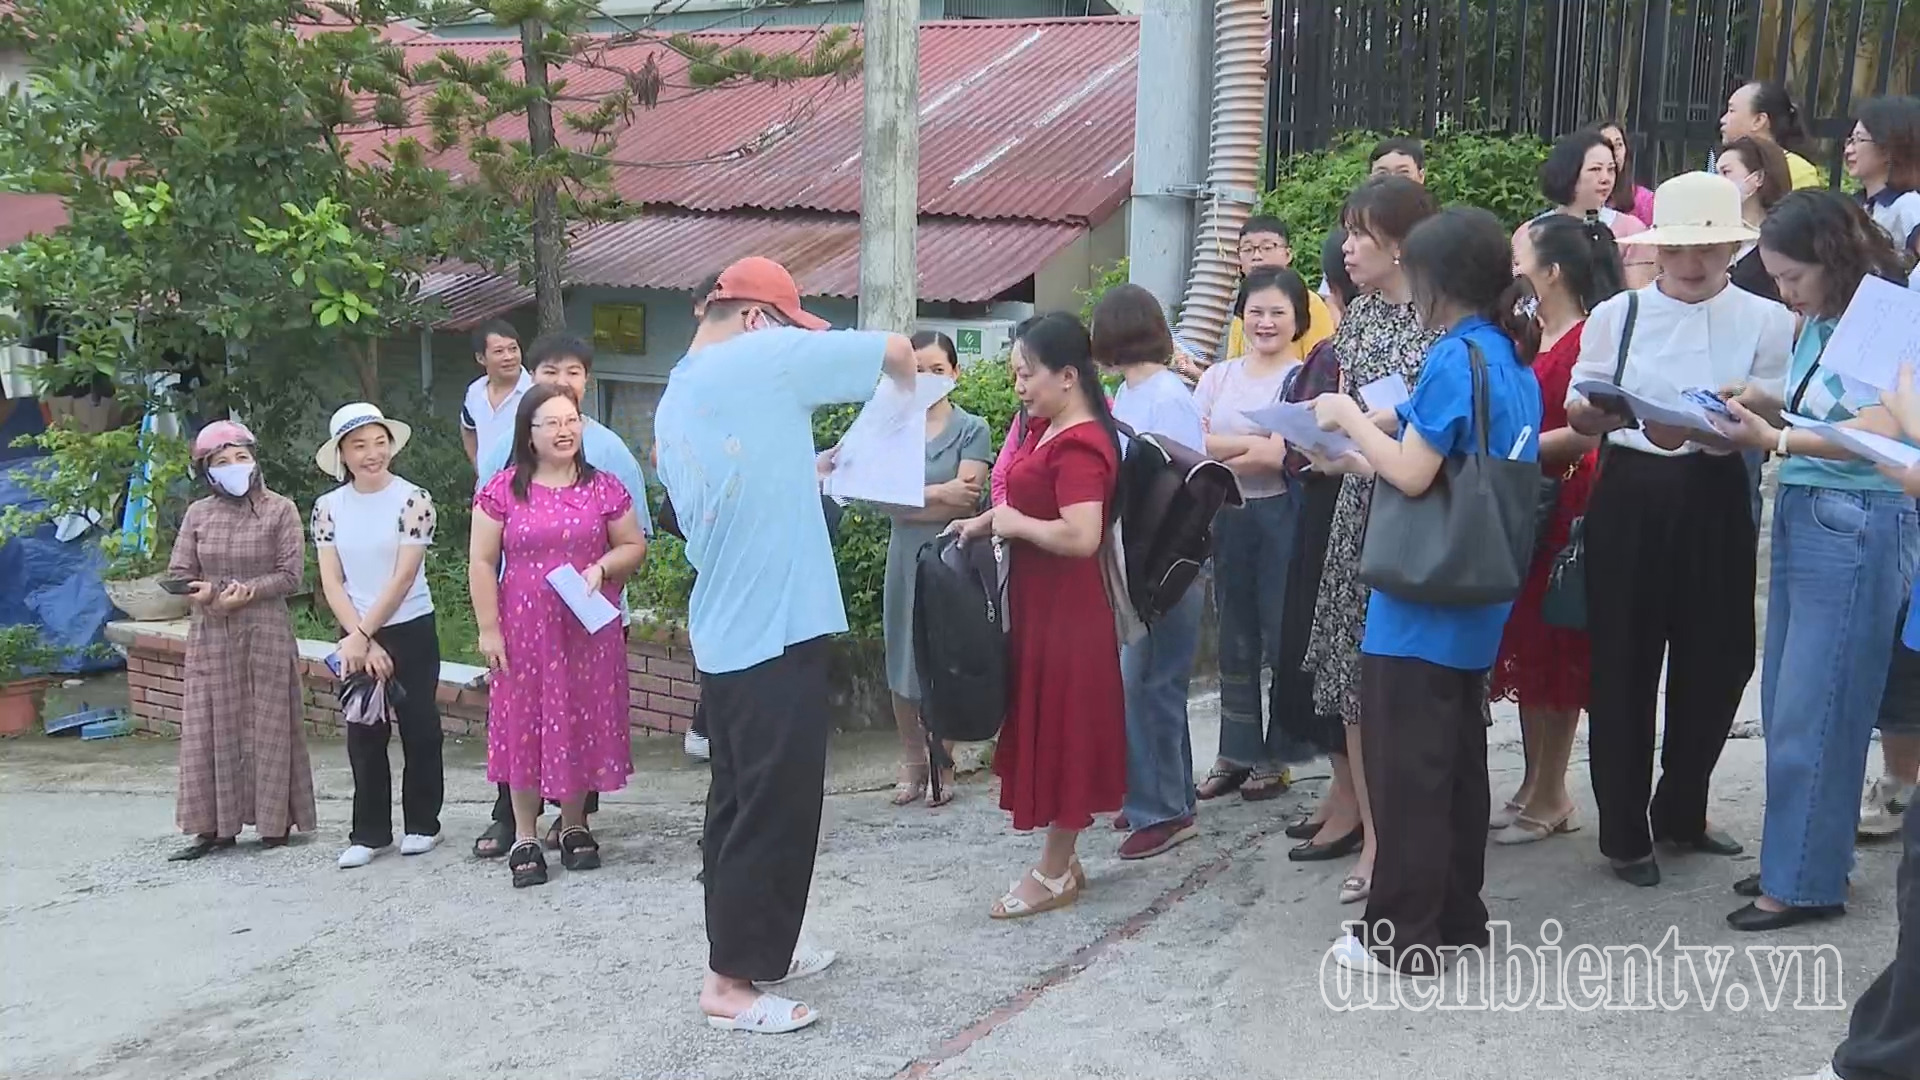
234	479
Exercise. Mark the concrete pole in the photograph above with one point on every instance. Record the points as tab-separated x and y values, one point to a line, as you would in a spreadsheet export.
1171	102
889	164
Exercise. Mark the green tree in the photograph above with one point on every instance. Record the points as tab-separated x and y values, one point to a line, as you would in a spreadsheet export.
563	168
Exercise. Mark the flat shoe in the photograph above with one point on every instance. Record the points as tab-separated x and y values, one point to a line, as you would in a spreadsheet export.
807	962
1527	830
1304	829
201	846
1504	816
1710	842
1748	886
1753	917
1312	852
1220	782
770	1014
1645	873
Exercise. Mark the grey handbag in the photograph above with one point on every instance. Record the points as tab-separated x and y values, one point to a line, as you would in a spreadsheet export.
1468	540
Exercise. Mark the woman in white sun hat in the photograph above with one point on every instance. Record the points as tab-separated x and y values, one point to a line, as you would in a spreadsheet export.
1670	535
372	533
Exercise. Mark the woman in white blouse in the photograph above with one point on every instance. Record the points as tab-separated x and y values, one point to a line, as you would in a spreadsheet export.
1670	540
372	534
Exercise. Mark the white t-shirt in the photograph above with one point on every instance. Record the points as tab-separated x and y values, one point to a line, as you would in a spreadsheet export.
1735	338
1161	404
367	530
1227	392
479	415
1899	214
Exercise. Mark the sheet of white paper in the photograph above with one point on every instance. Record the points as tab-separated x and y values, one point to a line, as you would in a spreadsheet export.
1673	411
883	456
1385	393
1294	422
1879	332
592	609
1875	448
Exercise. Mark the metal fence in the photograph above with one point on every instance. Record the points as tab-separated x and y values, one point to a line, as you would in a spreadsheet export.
1663	68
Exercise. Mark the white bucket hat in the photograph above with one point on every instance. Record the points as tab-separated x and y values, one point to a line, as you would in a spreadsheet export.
1696	209
347	418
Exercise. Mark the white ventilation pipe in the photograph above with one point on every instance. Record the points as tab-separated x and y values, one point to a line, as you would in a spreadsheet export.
1233	169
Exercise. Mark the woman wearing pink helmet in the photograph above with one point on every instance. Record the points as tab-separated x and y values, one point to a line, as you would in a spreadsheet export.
243	759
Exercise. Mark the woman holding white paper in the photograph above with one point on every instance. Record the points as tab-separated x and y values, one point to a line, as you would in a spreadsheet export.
1844	542
557	704
959	451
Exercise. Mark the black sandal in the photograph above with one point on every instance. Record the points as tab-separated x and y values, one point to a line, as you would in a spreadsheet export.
275	841
528	863
202	845
579	850
500	835
1221	781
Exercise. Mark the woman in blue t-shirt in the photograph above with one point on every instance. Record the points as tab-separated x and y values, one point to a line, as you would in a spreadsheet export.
1844	542
1423	666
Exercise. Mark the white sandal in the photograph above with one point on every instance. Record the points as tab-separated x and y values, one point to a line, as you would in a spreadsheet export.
770	1014
808	961
1062	891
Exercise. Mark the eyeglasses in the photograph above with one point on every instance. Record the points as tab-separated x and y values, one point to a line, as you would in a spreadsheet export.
564	423
1271	247
1859	140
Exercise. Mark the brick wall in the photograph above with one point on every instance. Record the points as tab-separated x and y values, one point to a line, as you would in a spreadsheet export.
661	688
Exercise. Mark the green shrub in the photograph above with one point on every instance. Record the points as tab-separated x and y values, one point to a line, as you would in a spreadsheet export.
1498	172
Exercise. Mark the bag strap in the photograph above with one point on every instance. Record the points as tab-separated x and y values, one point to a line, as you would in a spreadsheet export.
1626	336
1477	362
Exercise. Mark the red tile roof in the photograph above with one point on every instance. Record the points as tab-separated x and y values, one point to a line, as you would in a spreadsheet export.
957	259
1018	119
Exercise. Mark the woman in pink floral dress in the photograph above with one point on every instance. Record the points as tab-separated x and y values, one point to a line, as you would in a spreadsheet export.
557	704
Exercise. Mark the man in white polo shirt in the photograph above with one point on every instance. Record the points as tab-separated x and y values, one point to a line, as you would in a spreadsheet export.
492	399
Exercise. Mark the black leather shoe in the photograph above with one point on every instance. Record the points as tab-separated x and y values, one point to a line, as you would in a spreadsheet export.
1755	918
1748	886
1711	842
1312	852
1304	829
1645	873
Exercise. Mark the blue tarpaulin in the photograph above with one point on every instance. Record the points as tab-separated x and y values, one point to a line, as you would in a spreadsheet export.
50	584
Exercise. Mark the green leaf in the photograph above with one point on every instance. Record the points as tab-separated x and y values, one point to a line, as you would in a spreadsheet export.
330	316
123	200
299	275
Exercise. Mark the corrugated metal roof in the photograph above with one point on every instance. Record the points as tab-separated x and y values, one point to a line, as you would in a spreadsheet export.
1018	119
956	258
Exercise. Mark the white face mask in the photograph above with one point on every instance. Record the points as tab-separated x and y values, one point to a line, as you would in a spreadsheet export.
234	479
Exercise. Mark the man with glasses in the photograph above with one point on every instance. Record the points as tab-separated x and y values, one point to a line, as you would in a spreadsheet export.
1265	241
564	363
734	439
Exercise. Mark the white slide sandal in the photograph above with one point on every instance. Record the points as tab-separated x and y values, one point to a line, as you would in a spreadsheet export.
770	1014
808	961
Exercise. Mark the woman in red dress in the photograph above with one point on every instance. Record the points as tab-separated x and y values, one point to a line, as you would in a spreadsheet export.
1062	755
1572	266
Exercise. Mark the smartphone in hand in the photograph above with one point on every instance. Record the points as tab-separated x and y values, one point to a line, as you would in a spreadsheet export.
176	586
334	665
1613	405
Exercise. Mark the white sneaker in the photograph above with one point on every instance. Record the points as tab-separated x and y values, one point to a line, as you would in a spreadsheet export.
361	855
695	744
1884	807
415	844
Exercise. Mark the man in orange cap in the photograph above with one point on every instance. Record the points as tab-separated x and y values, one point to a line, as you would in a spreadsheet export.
734	438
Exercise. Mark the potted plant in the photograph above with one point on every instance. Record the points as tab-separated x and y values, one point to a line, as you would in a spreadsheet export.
24	657
92	475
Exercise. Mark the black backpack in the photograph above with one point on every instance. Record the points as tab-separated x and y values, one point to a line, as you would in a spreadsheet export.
1169	494
960	643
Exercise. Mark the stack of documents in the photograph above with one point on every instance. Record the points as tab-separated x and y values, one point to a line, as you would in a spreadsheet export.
883	456
1294	422
1681	411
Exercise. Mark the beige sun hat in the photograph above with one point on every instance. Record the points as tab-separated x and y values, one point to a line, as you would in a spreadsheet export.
348	418
1695	209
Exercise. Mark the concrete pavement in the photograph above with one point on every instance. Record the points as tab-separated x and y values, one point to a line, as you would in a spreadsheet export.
264	965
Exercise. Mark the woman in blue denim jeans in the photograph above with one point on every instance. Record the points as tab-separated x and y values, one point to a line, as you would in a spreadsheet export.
1843	538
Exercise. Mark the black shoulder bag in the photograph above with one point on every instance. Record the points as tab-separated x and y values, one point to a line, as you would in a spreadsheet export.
1565	602
1468	539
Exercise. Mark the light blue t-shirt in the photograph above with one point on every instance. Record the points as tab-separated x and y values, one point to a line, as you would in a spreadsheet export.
604	450
1441	410
1822	394
734	434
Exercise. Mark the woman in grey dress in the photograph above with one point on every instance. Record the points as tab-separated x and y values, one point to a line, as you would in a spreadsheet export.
959	453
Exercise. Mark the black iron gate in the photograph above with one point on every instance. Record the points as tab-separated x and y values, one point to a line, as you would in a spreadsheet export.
1663	68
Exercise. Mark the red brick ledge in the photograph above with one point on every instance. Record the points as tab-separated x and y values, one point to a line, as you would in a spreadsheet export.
661	688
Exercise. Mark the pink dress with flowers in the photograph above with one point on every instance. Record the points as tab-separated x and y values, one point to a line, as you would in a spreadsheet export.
557	717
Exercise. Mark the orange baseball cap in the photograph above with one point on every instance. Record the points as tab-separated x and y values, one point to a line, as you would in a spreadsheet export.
763	281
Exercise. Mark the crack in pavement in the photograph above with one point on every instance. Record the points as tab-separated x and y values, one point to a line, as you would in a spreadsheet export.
1084	957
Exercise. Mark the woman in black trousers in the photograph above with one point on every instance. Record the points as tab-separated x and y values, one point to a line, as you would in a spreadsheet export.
1670	536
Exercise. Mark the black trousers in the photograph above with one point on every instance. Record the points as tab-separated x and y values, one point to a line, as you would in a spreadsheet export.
1292	690
1883	1037
503	804
415	648
1426	760
1670	576
767	727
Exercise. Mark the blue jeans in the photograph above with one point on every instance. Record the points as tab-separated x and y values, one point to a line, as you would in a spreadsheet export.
1839	559
1155	671
1252	550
